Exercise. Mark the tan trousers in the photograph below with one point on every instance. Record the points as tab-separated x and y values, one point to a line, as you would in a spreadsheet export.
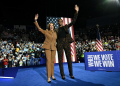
50	58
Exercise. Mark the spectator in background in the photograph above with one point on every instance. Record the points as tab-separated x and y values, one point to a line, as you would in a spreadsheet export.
5	62
8	55
24	60
17	49
18	59
28	60
13	60
9	62
32	60
118	45
1	64
17	45
7	46
15	63
20	62
37	57
31	50
33	46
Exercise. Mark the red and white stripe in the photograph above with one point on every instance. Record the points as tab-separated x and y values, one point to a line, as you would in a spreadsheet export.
99	45
73	52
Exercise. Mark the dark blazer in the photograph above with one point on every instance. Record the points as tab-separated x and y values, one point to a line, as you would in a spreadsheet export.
66	27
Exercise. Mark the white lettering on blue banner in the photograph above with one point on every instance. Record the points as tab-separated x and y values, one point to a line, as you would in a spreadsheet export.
103	60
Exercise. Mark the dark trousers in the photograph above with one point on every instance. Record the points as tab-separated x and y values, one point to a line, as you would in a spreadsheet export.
64	44
9	63
1	64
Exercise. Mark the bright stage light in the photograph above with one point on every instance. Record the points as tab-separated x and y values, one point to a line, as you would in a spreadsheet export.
7	77
118	2
114	1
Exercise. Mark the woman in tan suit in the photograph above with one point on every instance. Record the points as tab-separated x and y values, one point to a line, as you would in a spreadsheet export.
50	47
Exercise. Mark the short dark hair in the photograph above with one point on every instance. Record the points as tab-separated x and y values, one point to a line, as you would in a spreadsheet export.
59	19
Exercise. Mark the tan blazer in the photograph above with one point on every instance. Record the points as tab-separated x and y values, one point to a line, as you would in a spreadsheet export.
50	38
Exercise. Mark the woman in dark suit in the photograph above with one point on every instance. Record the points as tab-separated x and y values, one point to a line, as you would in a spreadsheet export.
50	47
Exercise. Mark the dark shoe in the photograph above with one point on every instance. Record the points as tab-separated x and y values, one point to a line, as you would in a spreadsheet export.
49	81
63	77
54	79
72	77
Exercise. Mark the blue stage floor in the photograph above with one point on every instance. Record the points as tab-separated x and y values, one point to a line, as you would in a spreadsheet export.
36	76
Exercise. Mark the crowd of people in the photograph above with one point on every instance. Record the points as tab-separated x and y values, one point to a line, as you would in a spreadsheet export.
86	39
19	47
16	48
16	51
21	35
25	54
